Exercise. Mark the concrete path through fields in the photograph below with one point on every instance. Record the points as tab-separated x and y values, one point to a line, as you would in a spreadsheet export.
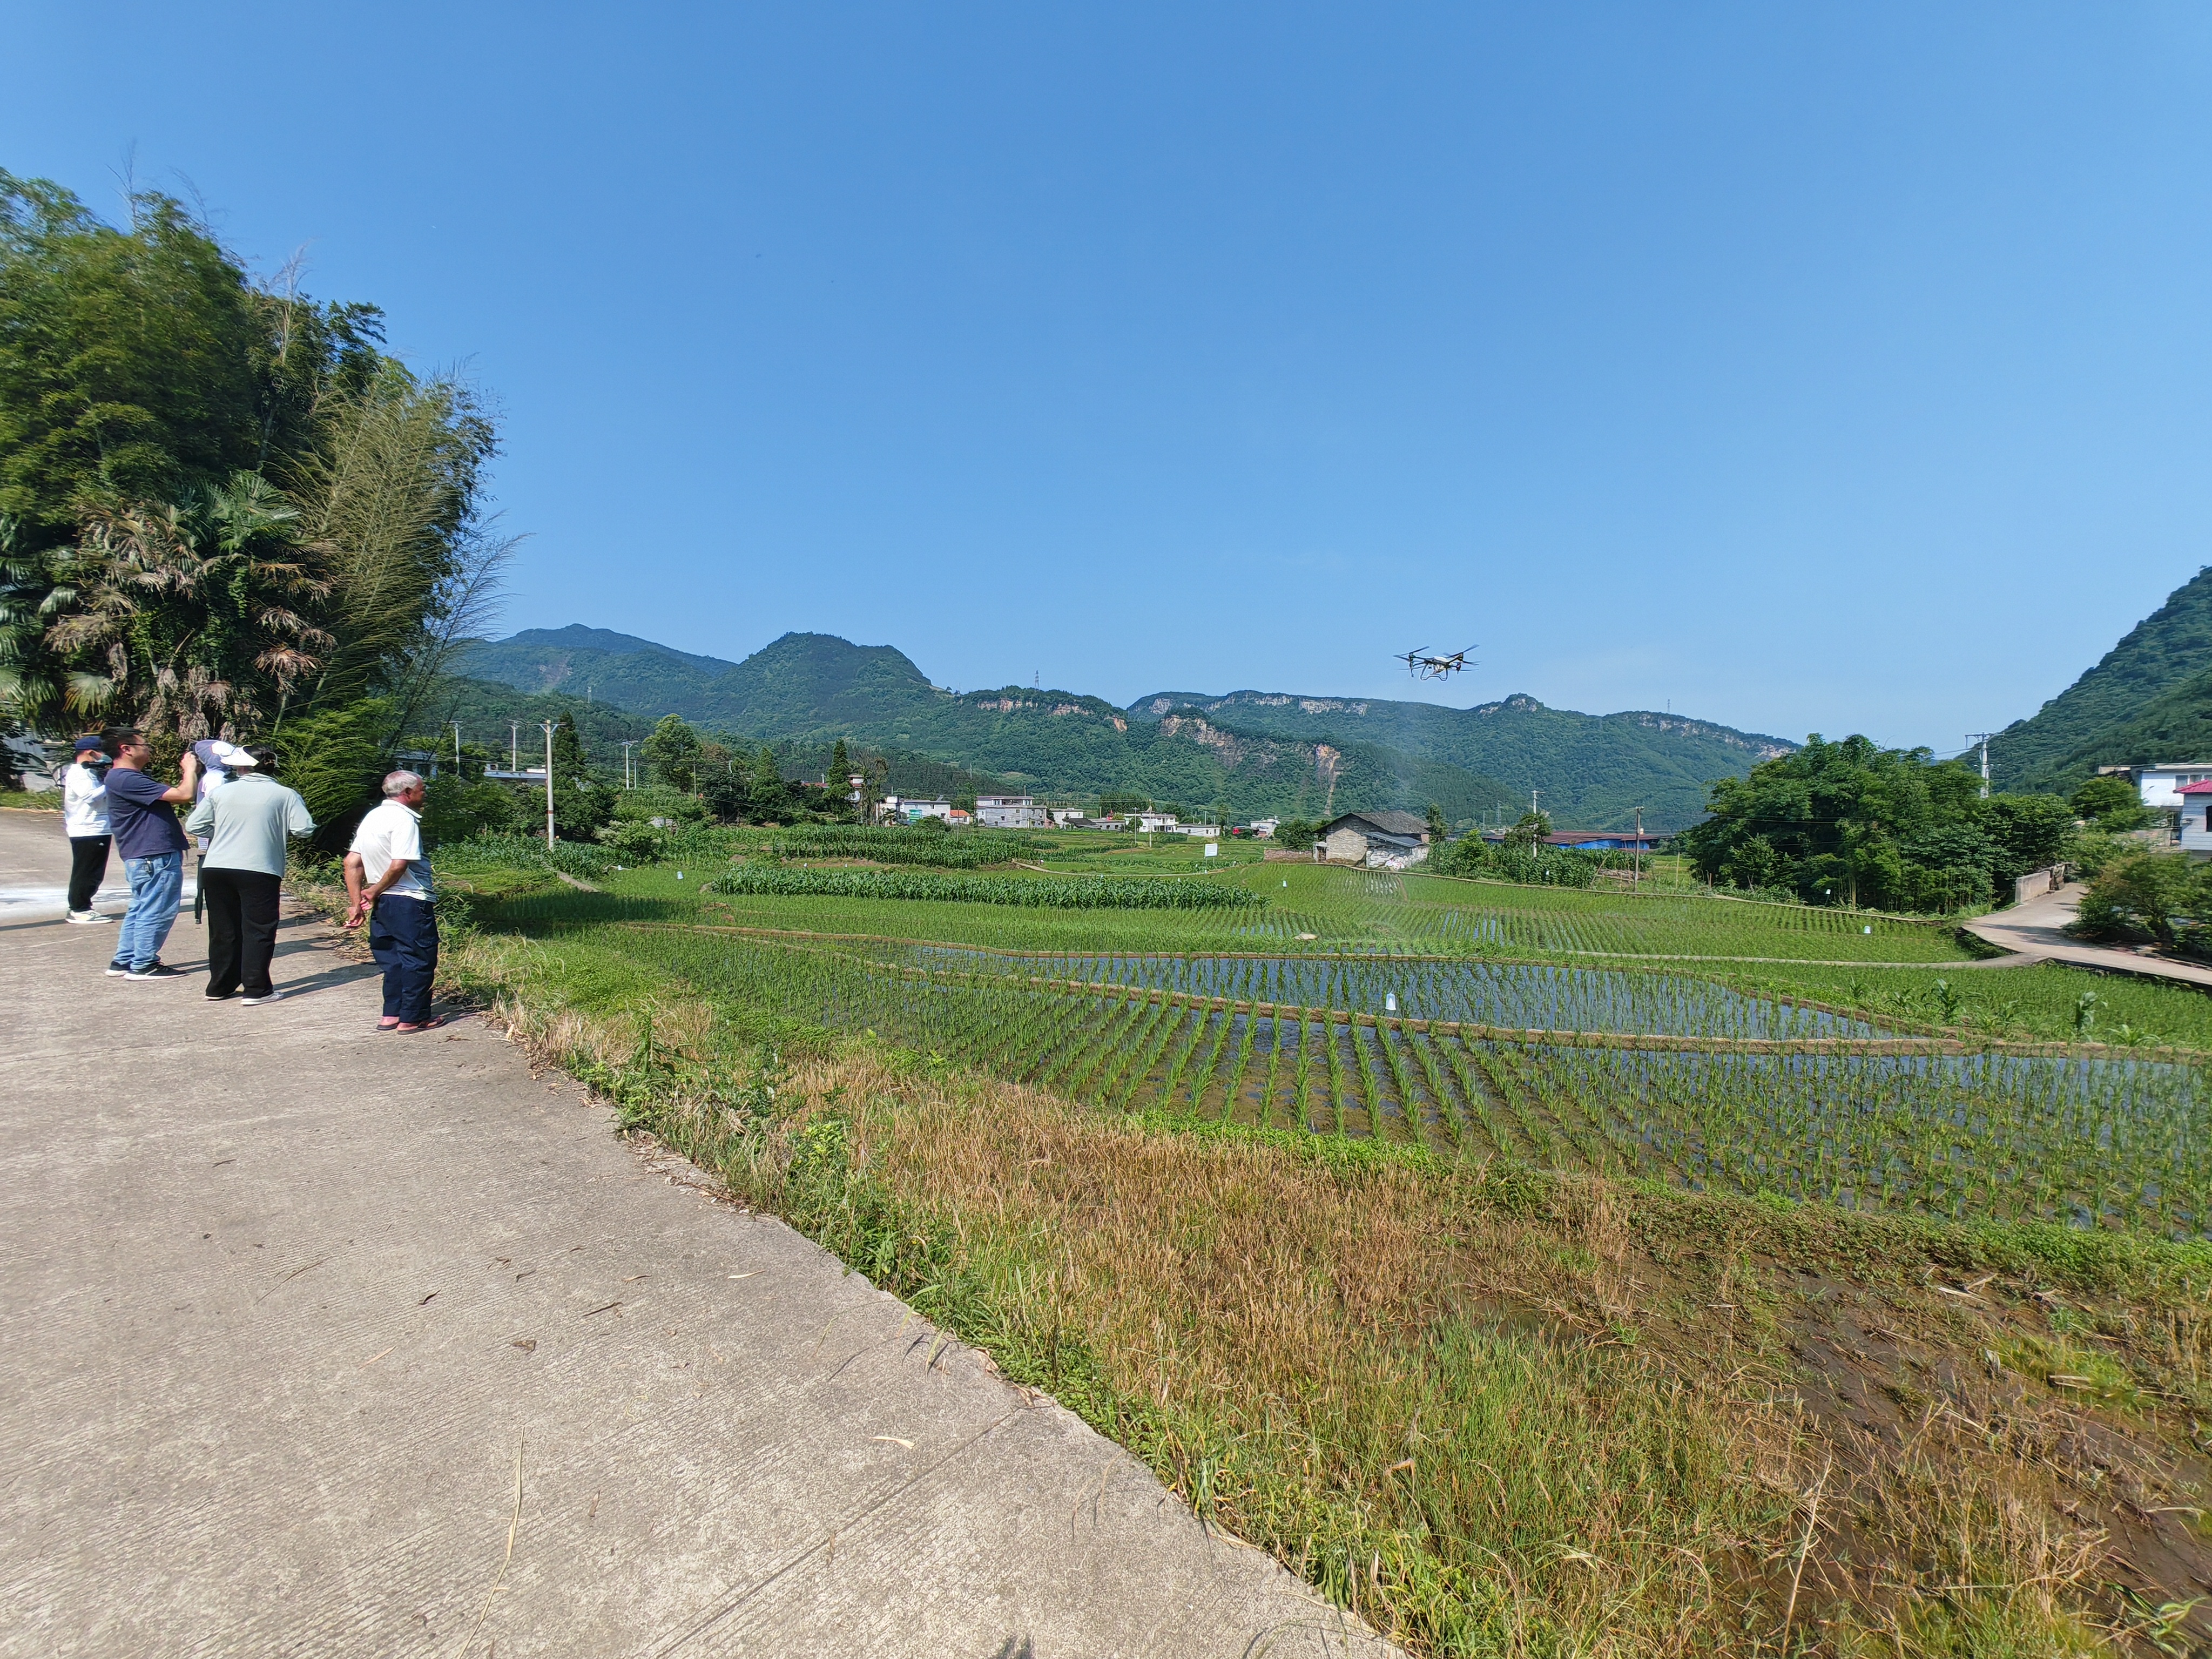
34	860
2032	932
320	1341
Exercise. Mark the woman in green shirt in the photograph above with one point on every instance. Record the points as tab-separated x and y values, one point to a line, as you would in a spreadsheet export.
247	822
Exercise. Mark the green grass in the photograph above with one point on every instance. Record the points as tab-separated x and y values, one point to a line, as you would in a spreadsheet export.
1437	1321
2042	1000
1366	910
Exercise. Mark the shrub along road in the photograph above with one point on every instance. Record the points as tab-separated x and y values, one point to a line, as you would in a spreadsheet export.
321	1341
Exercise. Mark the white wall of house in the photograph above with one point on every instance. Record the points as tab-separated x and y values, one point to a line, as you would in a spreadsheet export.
1203	831
2160	786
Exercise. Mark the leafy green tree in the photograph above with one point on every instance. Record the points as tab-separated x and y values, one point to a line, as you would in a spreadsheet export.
2030	832
2111	803
454	809
2144	893
138	364
1852	822
1528	830
569	758
727	796
771	800
1438	827
672	748
841	767
1111	804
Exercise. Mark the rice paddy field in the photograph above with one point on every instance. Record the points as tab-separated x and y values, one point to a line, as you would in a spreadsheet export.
1827	1056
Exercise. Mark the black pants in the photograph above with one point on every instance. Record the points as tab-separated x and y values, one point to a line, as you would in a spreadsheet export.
88	864
241	919
402	936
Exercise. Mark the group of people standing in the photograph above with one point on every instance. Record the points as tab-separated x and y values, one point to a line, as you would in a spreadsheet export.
243	820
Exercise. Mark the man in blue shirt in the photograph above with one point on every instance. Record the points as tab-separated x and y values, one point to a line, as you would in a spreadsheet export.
142	817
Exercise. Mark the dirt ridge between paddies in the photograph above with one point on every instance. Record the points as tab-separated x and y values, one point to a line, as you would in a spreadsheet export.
1549	1036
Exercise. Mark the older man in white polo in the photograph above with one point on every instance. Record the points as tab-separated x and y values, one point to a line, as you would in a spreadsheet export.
388	879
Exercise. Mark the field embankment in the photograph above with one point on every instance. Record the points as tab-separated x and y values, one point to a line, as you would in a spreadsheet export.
1500	1401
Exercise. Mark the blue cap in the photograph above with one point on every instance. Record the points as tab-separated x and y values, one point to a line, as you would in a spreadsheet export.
83	743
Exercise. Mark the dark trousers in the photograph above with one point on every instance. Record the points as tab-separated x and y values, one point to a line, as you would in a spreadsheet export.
242	924
88	864
403	935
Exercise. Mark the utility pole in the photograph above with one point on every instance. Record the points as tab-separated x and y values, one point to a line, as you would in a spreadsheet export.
628	744
514	745
1636	880
1533	794
549	785
456	724
1983	739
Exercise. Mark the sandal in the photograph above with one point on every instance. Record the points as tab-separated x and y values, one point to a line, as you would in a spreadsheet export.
392	1025
429	1024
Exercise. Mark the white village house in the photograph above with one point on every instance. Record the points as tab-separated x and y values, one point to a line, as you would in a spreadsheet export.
2160	786
1011	812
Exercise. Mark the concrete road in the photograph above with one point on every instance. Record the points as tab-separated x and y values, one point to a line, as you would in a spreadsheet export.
2032	932
323	1342
34	866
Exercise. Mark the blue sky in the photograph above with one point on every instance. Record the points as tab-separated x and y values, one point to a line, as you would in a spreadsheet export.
1804	368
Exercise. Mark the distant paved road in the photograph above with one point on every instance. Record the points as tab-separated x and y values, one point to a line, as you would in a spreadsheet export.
290	1307
2032	932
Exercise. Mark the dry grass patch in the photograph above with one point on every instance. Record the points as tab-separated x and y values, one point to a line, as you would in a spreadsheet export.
1494	1411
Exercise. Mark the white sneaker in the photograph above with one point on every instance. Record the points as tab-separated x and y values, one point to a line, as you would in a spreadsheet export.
255	1002
88	918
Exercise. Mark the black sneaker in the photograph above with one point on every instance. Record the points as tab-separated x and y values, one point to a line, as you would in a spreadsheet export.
118	970
155	970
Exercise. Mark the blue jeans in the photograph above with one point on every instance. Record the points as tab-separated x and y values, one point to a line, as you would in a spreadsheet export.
157	888
402	936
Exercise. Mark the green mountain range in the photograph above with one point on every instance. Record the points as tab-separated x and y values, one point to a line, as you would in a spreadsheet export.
2150	699
1251	752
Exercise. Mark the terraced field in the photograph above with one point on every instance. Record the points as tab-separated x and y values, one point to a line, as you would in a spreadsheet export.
1452	1016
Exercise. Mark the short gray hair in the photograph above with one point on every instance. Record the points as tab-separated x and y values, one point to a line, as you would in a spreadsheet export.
399	783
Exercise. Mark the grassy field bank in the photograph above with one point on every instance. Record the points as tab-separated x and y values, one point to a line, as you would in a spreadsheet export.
1498	1409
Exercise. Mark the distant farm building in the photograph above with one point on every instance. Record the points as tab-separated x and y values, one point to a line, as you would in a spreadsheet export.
1380	841
1603	841
1011	812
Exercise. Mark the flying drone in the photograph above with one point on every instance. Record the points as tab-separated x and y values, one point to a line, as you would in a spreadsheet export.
1424	667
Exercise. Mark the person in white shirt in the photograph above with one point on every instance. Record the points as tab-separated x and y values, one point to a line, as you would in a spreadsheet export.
388	880
84	821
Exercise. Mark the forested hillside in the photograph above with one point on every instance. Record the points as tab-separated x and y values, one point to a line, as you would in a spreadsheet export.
1594	769
1254	752
2148	699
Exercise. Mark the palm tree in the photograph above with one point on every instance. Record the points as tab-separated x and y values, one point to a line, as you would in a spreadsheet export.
195	618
